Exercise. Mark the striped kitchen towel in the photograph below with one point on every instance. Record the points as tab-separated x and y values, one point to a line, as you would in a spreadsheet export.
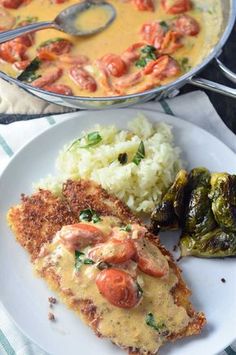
194	107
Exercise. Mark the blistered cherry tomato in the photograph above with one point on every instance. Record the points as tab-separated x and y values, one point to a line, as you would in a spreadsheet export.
114	65
150	259
56	47
13	51
48	78
163	67
144	5
186	25
113	251
171	43
22	65
118	287
83	79
59	89
80	235
12	4
153	33
176	6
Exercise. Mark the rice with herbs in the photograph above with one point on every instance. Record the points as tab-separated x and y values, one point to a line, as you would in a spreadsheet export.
137	164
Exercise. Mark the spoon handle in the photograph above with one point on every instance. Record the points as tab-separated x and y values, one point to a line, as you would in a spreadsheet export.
8	35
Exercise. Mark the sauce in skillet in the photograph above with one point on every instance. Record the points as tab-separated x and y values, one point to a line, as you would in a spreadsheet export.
145	47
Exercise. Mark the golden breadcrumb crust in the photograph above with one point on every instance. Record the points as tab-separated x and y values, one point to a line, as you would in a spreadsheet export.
36	220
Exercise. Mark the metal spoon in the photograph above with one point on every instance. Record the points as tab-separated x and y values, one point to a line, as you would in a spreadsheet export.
65	21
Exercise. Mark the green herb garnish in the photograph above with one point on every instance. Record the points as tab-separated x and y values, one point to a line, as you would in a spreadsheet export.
91	139
127	228
89	215
123	158
148	53
29	74
88	261
150	321
140	154
164	26
80	260
141	63
184	63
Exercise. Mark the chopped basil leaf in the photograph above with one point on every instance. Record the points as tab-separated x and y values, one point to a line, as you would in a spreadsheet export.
78	260
127	228
150	321
91	139
50	41
148	49
140	154
123	158
164	26
89	215
29	74
141	63
148	53
184	63
88	261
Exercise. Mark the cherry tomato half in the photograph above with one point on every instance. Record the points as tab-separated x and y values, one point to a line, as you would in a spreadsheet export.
59	89
83	79
113	251
12	4
150	259
118	287
55	46
186	25
163	67
80	235
144	5
176	6
114	65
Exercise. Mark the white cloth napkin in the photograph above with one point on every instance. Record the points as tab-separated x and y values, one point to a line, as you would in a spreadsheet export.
14	100
194	107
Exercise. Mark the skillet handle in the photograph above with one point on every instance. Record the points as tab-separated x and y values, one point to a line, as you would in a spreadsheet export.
213	86
216	87
226	71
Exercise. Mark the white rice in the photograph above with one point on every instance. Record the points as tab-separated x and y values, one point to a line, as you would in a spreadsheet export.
139	186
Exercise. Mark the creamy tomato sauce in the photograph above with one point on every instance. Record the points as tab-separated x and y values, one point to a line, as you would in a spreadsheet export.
150	43
128	326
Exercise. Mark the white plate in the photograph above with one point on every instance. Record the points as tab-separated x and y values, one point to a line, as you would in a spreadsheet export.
26	297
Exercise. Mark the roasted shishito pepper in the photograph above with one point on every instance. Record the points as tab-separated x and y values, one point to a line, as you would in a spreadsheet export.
207	213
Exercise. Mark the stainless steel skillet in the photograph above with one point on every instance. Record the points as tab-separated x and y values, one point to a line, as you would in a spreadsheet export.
170	90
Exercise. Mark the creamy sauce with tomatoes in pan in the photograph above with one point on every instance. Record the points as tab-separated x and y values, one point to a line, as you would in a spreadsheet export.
127	327
143	48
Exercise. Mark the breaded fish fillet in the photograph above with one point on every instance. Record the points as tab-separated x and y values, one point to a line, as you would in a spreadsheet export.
36	221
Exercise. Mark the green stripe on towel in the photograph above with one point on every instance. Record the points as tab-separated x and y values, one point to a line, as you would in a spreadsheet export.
230	351
166	108
5	344
7	149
